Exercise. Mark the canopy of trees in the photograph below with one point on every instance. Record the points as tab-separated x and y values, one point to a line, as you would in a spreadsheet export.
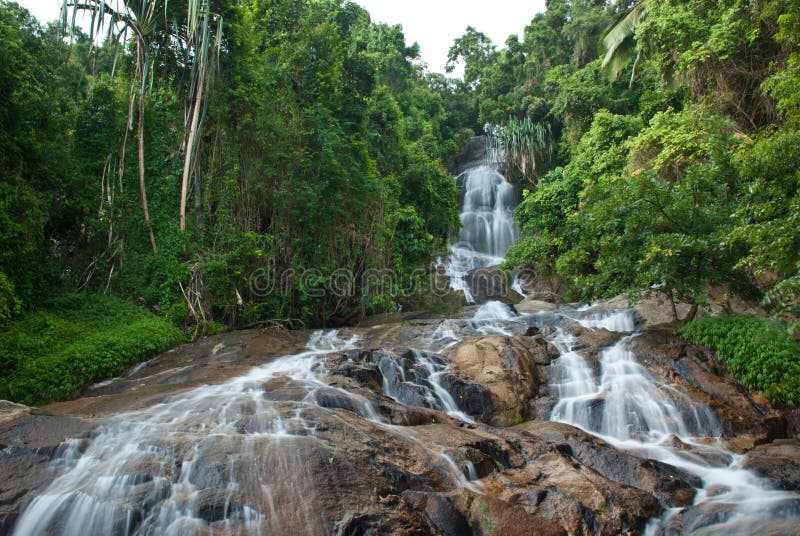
206	151
219	161
674	144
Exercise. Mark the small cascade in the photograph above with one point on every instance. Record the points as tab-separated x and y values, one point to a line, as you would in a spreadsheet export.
233	458
494	310
624	402
418	382
494	318
487	226
617	399
622	321
487	215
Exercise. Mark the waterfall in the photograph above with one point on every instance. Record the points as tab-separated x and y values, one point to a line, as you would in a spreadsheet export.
487	214
487	225
417	382
233	458
617	399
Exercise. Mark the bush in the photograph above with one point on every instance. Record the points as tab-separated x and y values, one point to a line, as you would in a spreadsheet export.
759	353
52	354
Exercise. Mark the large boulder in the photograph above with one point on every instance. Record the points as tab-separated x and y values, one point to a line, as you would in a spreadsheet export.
778	462
670	485
507	368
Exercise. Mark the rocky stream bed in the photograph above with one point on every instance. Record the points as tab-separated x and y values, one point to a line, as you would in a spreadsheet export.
481	421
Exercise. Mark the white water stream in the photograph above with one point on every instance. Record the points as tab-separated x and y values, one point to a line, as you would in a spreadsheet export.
487	226
149	472
618	400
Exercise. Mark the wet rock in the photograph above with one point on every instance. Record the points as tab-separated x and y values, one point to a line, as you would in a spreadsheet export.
778	462
532	331
670	485
473	398
674	361
492	284
591	343
440	513
404	375
471	154
506	368
215	504
29	439
10	412
543	407
542	352
721	518
552	494
531	306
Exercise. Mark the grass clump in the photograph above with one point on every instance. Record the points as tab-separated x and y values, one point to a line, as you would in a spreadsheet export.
51	354
757	352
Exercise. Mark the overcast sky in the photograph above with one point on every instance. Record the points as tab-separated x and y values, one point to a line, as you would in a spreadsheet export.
434	24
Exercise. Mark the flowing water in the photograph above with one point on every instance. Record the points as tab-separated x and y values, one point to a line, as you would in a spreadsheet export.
150	471
487	226
619	401
253	441
244	441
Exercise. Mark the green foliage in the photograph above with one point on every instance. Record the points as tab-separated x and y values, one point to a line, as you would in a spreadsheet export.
311	145
9	304
618	45
52	354
769	217
558	237
526	145
757	352
663	224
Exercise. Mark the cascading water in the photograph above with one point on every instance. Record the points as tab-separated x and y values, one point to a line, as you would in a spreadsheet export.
256	454
618	400
487	219
240	453
417	382
487	226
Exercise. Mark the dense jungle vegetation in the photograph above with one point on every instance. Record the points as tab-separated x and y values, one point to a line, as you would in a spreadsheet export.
315	141
219	169
666	160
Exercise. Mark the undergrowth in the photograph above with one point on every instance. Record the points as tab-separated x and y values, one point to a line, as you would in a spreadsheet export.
757	352
51	354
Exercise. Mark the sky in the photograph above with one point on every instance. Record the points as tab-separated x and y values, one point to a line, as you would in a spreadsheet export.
434	24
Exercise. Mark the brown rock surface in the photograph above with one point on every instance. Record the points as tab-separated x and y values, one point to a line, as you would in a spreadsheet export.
506	368
700	376
778	462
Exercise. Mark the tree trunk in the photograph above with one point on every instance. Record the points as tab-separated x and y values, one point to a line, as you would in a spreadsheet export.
674	307
187	163
142	191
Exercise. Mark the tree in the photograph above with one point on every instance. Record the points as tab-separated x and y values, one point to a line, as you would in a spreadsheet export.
475	49
618	42
156	22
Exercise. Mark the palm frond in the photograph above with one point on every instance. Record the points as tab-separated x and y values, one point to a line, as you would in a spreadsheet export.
618	45
520	143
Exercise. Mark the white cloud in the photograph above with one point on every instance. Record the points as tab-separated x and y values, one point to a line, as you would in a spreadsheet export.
435	24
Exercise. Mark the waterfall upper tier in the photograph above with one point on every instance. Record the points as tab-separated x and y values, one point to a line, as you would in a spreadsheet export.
487	225
487	215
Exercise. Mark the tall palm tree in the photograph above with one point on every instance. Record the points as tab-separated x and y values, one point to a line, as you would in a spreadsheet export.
188	22
618	43
206	48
